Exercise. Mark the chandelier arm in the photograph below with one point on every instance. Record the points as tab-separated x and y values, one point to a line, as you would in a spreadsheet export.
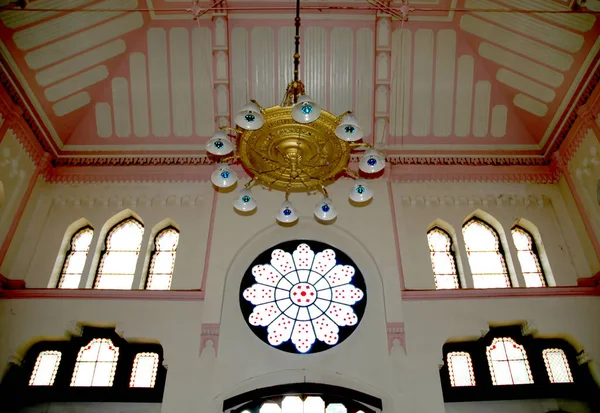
257	104
226	128
324	190
229	158
348	112
361	145
352	172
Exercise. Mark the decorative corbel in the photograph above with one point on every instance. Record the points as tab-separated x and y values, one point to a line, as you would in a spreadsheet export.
395	331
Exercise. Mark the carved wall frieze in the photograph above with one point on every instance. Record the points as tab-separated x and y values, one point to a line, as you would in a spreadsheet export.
189	200
503	200
462	161
128	161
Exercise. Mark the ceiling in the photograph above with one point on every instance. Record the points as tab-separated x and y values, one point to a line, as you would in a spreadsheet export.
125	82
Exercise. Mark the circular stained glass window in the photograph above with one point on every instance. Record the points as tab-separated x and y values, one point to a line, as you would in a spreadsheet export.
303	296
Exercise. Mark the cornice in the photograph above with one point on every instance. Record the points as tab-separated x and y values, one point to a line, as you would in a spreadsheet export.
196	168
507	200
567	127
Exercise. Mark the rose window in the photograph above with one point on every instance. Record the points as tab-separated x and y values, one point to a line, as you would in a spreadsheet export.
303	296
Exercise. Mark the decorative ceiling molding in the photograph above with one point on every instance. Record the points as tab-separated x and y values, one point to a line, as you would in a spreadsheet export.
196	168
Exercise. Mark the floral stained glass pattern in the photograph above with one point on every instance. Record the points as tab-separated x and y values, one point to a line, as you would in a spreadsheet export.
303	301
442	259
75	258
143	374
96	364
46	366
160	272
528	258
508	362
485	256
557	366
460	369
117	265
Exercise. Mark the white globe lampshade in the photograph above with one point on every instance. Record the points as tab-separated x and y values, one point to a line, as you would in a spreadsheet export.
287	213
249	117
219	144
360	192
325	211
223	177
349	130
306	110
245	201
371	162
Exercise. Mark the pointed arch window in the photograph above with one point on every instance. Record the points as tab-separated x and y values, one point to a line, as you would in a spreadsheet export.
119	258
557	366
508	362
143	374
442	259
96	364
75	258
460	369
486	257
162	263
528	258
46	366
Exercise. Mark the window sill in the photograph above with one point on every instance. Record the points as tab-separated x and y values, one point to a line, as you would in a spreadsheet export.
431	295
89	293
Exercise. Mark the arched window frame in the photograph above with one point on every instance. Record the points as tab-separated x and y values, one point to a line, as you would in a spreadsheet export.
542	388
499	251
452	369
134	380
451	255
255	400
553	370
510	361
534	251
105	344
154	255
69	254
106	250
41	363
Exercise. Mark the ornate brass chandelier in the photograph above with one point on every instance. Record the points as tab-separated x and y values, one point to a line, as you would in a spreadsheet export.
293	147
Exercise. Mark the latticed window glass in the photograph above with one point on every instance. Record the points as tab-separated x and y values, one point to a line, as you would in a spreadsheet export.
160	272
96	364
46	366
75	258
442	259
302	404
508	362
557	366
460	369
485	255
145	366
528	258
117	265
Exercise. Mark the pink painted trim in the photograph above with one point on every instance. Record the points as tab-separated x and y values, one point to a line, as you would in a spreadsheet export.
7	284
130	173
91	294
463	293
40	169
211	226
210	332
589	282
396	238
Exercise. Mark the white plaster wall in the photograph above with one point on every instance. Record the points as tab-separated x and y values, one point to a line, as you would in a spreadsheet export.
187	206
585	171
518	406
420	206
406	383
16	170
